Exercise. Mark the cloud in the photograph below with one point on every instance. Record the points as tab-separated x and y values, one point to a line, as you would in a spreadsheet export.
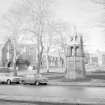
4	5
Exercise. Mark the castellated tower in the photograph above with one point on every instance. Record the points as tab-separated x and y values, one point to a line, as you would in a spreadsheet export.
75	58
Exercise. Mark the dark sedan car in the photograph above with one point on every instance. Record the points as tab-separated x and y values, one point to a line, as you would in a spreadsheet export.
34	79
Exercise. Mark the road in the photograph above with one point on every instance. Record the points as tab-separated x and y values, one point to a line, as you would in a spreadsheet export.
18	103
14	103
53	91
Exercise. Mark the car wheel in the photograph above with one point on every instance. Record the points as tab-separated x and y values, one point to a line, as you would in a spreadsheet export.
37	83
8	81
45	83
22	82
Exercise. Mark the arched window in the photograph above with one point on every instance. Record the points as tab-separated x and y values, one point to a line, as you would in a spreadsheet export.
77	51
72	51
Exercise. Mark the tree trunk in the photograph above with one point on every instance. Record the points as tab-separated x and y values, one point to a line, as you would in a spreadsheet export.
38	64
65	61
40	52
65	64
47	63
39	61
47	60
14	59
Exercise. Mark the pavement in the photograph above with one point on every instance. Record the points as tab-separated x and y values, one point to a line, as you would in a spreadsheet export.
17	98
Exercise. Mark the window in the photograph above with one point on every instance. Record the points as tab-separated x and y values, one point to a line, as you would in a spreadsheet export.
78	53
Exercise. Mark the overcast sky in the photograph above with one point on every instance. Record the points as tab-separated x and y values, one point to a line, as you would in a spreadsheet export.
86	16
82	13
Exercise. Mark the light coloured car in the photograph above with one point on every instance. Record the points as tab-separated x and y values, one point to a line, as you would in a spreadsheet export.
34	79
9	78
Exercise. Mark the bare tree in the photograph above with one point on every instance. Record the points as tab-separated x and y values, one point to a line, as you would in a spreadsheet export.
55	39
37	16
47	46
34	16
63	31
49	41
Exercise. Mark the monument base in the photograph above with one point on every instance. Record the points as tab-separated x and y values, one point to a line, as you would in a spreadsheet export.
75	68
74	75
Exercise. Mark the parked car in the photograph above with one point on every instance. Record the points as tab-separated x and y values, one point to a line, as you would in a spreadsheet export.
34	79
9	78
